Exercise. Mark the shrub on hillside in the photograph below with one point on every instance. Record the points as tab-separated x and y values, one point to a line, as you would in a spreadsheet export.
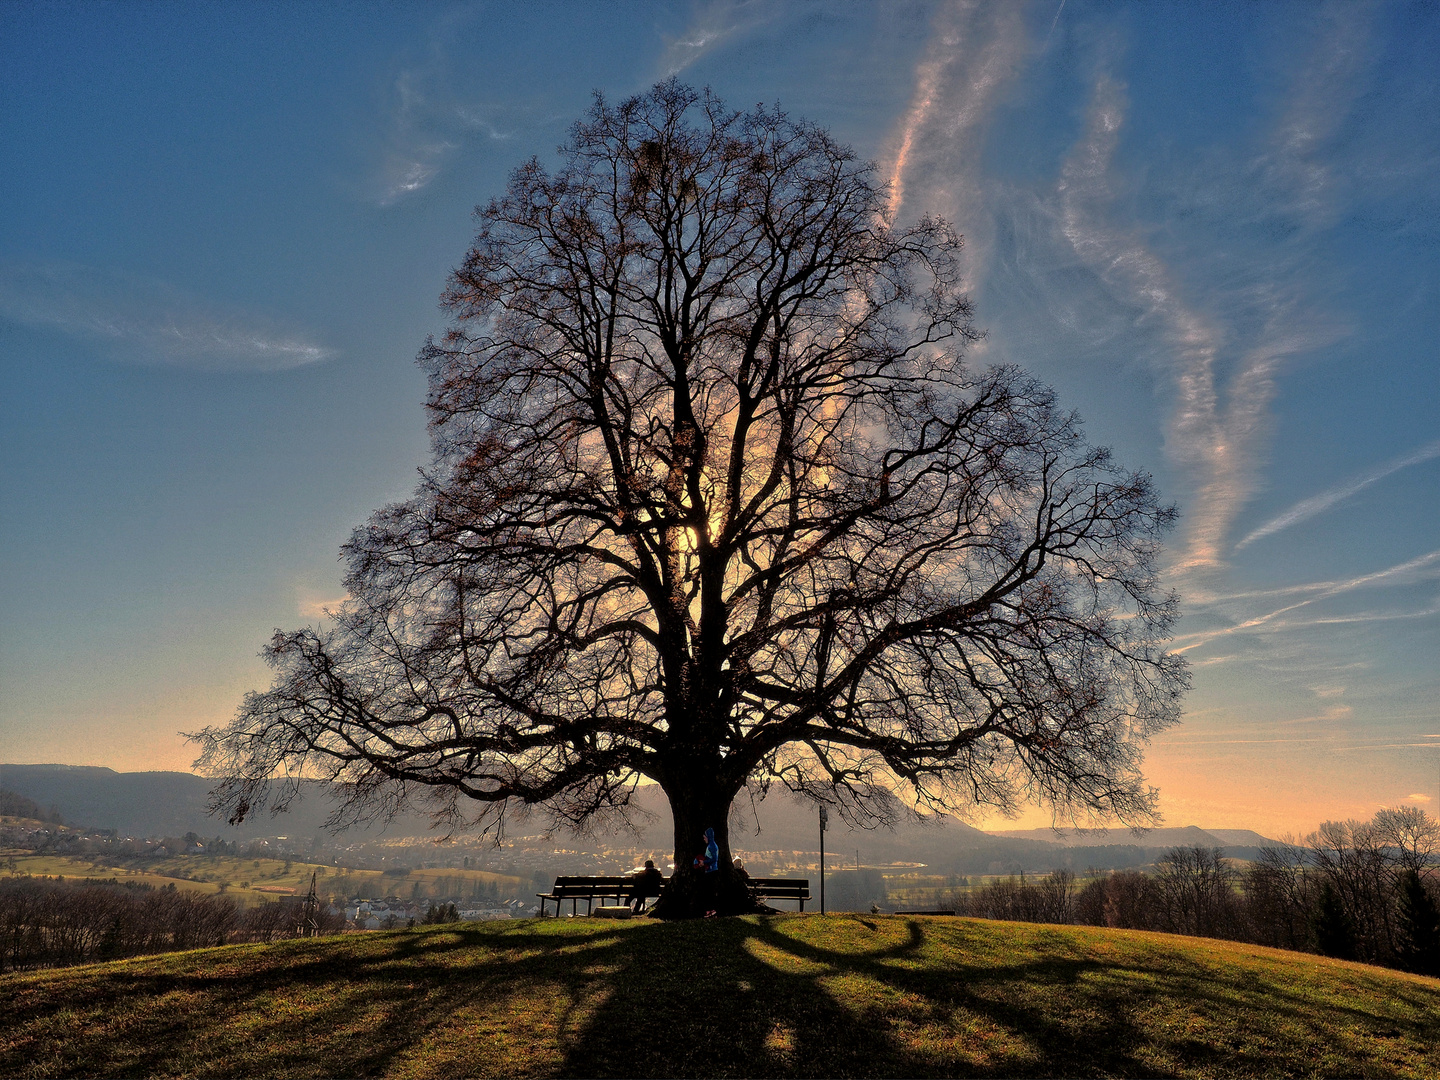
1419	926
1124	900
1050	899
441	913
53	923
13	804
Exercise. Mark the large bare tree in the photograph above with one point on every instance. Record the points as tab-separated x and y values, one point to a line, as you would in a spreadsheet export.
714	501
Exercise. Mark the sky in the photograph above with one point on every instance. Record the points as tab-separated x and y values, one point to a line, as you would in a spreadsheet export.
1214	228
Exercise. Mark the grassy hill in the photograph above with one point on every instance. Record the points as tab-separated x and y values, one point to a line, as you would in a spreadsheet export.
783	996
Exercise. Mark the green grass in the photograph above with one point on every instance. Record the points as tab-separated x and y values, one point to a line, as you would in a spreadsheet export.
799	995
72	868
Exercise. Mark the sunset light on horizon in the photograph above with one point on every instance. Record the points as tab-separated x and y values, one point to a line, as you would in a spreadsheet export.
1213	229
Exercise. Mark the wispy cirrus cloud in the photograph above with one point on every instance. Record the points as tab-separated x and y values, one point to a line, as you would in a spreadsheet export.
1316	504
432	110
138	320
933	162
423	127
1220	324
1295	173
1220	352
1217	425
713	24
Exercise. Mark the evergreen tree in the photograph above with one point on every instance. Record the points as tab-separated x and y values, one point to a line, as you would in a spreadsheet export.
441	913
1419	926
1331	925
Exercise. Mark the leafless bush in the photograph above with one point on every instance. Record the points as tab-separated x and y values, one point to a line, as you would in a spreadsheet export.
1195	890
52	923
1124	900
1048	900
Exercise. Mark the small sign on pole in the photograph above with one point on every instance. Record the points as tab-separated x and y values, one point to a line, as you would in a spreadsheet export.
824	819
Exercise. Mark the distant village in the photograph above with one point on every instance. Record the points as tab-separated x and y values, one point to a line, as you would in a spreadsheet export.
392	912
99	853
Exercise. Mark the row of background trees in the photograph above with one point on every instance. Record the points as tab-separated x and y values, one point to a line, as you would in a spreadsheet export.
16	805
53	923
1359	890
1355	890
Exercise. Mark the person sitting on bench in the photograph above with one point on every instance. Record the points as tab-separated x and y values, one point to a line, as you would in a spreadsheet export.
646	883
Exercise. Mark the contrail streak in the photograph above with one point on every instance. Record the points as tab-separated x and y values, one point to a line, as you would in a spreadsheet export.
1215	440
1308	508
1054	22
1334	589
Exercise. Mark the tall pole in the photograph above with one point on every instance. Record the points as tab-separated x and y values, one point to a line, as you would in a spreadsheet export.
824	817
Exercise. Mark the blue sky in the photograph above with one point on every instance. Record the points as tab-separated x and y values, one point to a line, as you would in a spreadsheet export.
1214	228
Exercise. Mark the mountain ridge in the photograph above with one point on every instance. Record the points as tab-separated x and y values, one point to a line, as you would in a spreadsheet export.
172	803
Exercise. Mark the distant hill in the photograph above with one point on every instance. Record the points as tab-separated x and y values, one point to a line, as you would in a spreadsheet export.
799	995
781	822
1189	836
165	804
173	803
1242	837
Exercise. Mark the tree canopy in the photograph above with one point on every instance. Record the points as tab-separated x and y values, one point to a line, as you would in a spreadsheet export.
715	501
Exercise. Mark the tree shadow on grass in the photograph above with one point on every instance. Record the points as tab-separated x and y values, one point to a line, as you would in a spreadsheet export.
370	1007
759	1001
770	996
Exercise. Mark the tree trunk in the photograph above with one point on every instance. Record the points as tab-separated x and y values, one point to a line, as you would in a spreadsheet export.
693	891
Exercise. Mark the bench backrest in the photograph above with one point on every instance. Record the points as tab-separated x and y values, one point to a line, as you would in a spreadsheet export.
579	886
594	886
576	885
782	887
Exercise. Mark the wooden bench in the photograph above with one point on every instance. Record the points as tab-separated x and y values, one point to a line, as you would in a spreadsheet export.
781	888
622	891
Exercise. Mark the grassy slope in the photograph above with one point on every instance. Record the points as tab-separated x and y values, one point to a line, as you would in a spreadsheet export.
786	995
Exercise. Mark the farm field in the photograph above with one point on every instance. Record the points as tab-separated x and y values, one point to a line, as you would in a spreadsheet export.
252	880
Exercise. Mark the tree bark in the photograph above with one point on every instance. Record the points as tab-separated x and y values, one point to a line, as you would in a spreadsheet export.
693	892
